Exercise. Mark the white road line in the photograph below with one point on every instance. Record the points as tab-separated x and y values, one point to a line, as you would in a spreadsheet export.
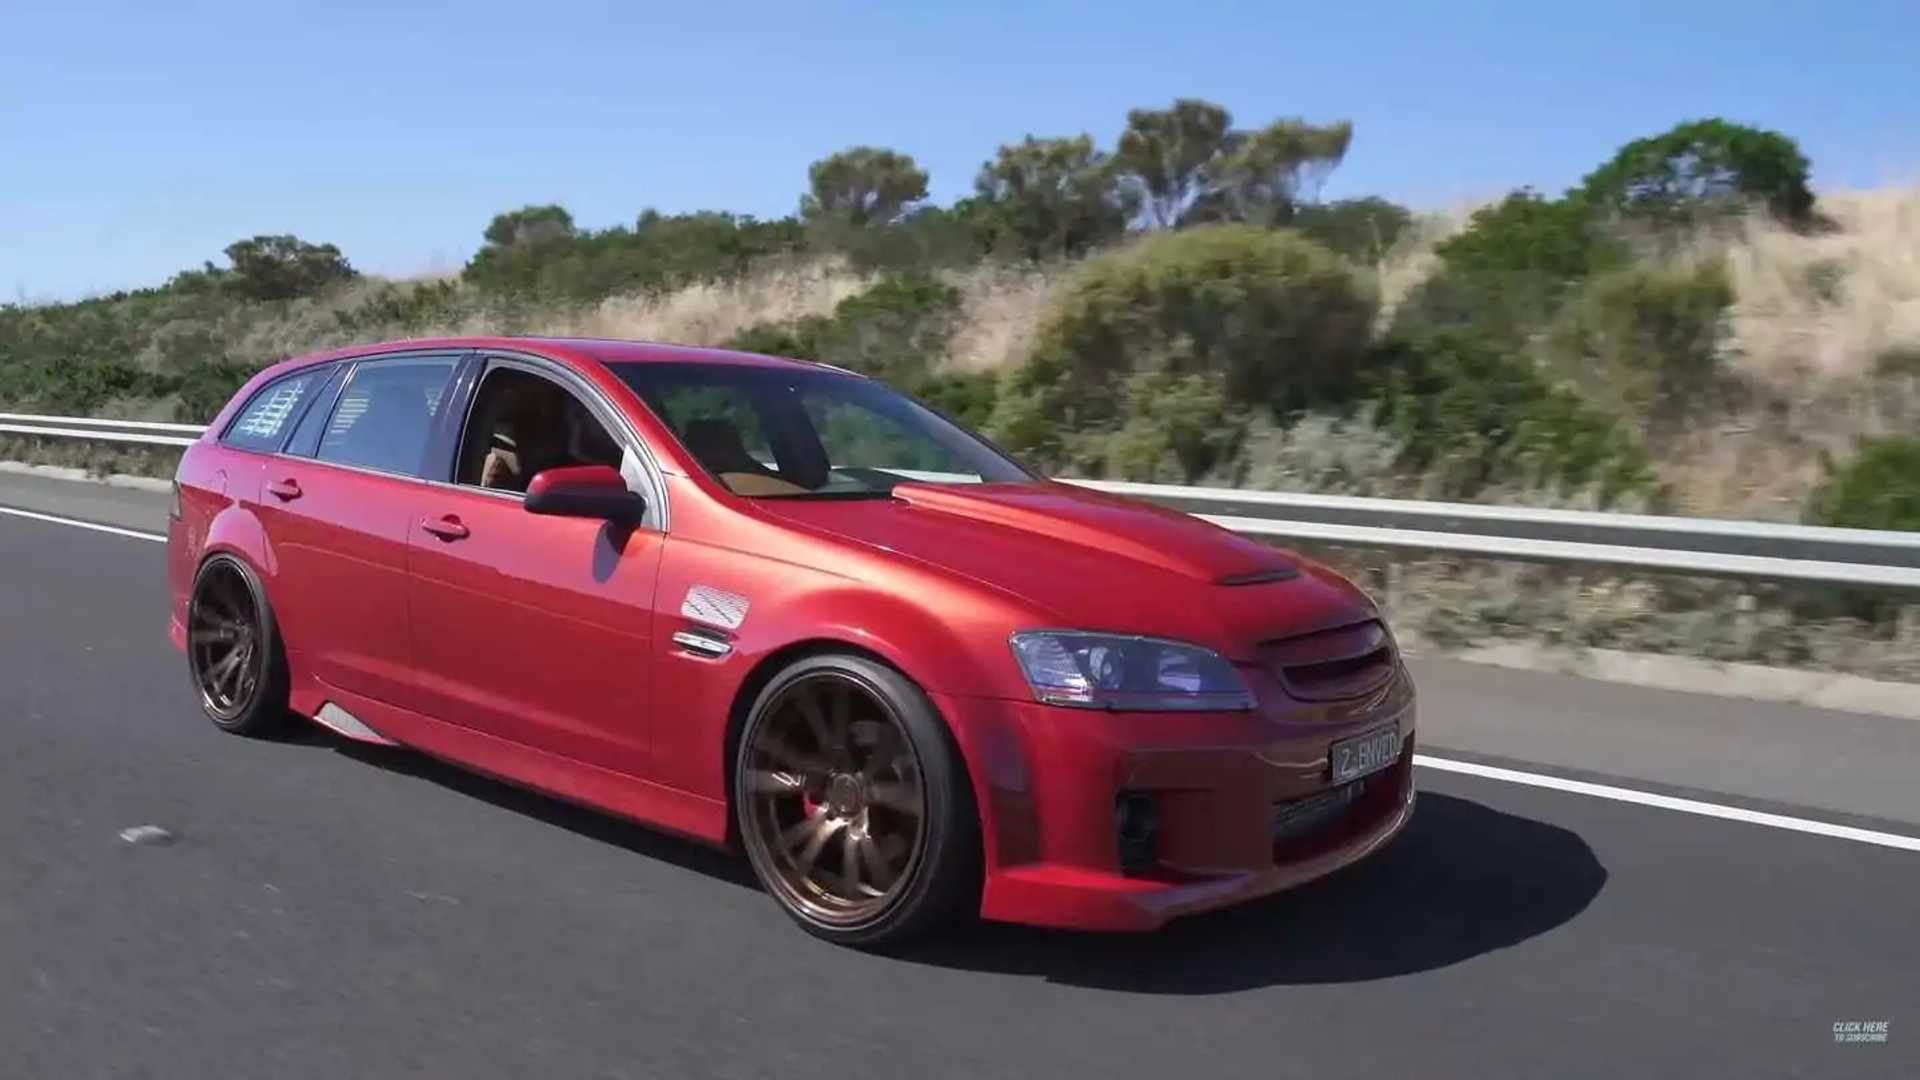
1488	772
1669	802
84	524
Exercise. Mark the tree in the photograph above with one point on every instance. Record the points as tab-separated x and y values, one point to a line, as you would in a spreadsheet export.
1166	156
1701	168
1053	196
1358	228
283	267
1187	165
863	185
1262	178
529	225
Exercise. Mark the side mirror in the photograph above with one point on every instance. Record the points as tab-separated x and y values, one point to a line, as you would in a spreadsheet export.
585	491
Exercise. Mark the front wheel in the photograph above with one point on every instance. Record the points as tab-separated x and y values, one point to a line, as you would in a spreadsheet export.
853	805
233	650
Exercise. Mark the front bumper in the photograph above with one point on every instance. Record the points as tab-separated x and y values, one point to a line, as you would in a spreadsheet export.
1048	780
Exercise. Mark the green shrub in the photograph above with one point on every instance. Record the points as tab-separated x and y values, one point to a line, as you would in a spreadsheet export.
1898	360
396	309
1649	336
1473	416
1527	234
967	396
897	330
1360	229
1178	428
929	239
206	387
1879	488
545	262
1273	319
1507	273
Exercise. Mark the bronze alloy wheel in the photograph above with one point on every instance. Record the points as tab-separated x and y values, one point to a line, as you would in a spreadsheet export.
226	641
835	807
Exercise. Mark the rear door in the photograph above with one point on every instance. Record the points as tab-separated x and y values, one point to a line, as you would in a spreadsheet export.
337	505
525	627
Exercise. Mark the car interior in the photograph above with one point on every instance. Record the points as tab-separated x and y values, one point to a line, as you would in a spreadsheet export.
522	424
719	445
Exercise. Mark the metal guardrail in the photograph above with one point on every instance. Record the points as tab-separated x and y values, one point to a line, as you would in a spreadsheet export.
147	432
1708	546
1704	546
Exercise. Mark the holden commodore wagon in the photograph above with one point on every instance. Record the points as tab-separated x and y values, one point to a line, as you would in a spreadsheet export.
778	607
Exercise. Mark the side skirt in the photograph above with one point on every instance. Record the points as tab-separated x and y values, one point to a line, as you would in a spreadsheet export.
616	793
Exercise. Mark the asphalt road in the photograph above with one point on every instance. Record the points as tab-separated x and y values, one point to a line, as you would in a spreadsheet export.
328	910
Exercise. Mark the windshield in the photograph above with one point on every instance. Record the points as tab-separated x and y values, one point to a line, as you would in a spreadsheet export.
796	433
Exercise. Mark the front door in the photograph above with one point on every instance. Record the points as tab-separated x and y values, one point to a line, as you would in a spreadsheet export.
530	628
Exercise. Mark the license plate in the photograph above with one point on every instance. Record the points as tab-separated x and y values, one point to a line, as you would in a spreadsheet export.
1365	753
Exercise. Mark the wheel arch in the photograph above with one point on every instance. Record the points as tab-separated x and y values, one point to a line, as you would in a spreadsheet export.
235	531
778	660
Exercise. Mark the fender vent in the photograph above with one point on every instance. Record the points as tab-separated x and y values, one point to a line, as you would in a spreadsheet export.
1260	577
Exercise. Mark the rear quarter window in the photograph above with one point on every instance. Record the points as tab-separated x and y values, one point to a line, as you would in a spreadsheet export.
273	409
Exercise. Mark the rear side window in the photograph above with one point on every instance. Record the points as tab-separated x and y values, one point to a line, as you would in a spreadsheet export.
262	425
386	413
306	434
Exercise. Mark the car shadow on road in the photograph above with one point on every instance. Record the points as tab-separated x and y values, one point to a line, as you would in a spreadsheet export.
1462	880
573	817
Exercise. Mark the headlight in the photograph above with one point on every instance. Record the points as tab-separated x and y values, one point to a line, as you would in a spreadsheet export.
1120	671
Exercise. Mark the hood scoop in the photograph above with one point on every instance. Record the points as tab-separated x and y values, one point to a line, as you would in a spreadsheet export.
1142	533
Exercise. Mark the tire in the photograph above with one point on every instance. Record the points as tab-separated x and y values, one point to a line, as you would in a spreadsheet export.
248	696
849	774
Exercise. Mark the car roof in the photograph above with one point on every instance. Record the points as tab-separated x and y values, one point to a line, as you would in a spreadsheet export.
577	349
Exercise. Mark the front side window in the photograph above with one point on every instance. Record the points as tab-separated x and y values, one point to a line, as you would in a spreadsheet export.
795	433
262	424
522	424
385	414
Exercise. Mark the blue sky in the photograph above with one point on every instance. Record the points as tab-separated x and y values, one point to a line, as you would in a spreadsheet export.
140	138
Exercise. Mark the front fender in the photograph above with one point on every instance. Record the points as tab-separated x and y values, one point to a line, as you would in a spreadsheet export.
951	641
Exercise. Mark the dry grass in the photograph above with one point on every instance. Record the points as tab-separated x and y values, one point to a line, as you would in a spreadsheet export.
1411	259
1813	314
1000	311
711	312
1825	306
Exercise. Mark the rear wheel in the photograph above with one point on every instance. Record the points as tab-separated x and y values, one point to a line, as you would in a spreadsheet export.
233	650
853	805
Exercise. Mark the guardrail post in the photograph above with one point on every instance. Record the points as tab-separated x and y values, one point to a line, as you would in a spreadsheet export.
1396	586
1746	621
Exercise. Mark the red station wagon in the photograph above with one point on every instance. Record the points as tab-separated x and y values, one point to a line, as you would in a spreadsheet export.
777	606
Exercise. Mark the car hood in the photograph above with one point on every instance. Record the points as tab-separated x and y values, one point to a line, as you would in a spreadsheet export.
1091	561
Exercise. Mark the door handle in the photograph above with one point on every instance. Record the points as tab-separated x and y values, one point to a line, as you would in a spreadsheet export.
446	528
284	490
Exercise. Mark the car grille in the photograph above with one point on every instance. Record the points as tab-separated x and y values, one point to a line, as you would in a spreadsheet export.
1330	665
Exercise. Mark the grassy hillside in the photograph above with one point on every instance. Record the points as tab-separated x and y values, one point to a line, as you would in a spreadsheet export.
1704	345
